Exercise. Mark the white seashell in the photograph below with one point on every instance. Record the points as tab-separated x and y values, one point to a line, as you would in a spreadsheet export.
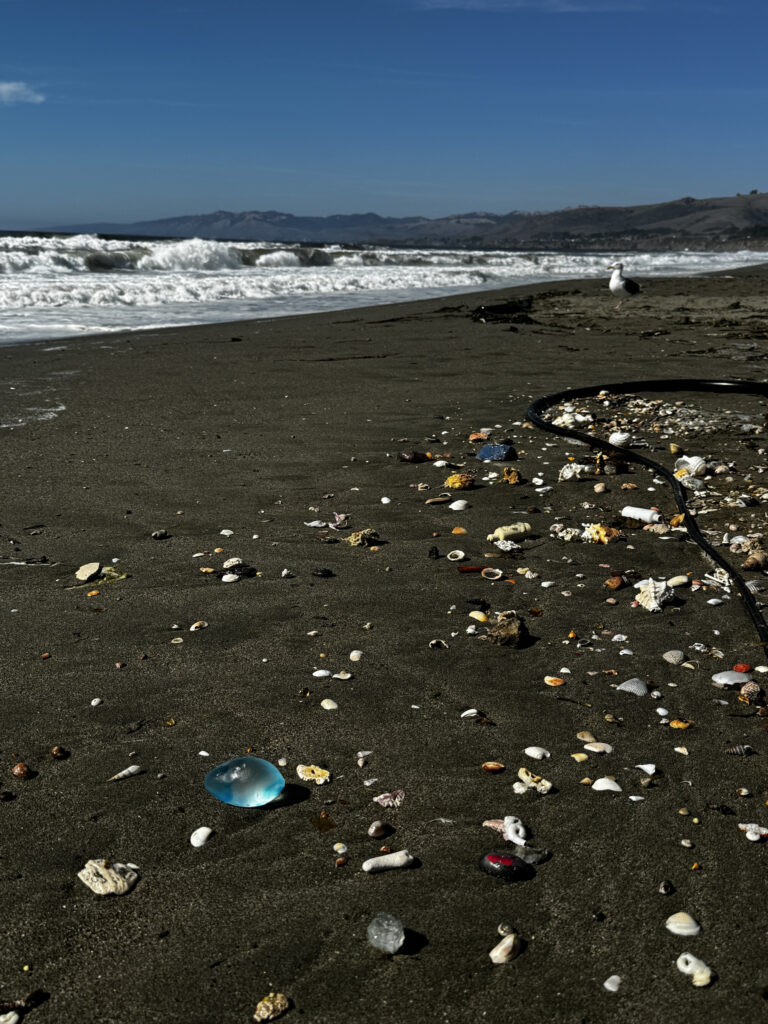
514	830
662	711
599	748
96	701
401	859
227	533
455	556
321	673
643	515
459	506
689	964
607	785
715	600
679	581
637	799
519	788
342	675
489	573
10	1018
386	501
355	655
693	465
618	437
649	769
612	984
328	704
132	769
754	832
652	594
507	949
107	878
531	781
201	836
574	471
682	924
634	686
200	624
439	463
674	657
723	680
230	577
232	562
539	753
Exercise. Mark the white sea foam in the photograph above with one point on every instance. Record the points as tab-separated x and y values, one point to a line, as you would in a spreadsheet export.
56	287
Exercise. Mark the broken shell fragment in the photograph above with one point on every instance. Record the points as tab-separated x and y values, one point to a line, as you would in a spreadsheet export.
606	784
458	506
678	581
355	655
456	556
393	799
200	624
88	572
328	704
682	924
401	859
490	573
725	680
106	878
201	836
507	949
700	974
554	681
754	832
599	748
531	781
585	737
539	753
313	773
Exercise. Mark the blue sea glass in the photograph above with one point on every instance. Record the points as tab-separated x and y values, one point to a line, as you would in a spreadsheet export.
496	452
245	782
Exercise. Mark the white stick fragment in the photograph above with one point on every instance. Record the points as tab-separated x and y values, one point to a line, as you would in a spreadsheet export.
401	859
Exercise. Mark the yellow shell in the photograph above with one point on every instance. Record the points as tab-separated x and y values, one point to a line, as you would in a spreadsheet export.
677	723
479	616
511	476
460	481
554	681
596	533
458	530
579	757
313	773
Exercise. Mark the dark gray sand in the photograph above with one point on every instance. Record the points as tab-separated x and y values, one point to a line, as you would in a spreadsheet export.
263	426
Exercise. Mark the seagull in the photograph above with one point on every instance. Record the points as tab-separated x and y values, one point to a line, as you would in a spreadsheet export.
621	285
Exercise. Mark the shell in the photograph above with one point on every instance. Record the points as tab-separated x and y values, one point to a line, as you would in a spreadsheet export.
328	704
741	749
313	773
321	673
88	572
401	859
232	563
599	748
507	949
201	836
200	624
531	781
596	533
272	1006
682	924
674	657
649	769
230	577
538	753
679	581
132	769
724	680
757	559
455	556
690	465
493	766
750	693
490	573
355	655
618	437
106	878
393	799
344	675
754	831
585	737
511	476
700	974
458	506
652	594
575	471
607	785
514	830
634	686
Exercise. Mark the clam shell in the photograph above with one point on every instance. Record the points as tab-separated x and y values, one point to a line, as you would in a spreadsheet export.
458	506
674	657
201	836
355	655
328	704
538	753
321	673
618	437
231	563
230	577
606	785
342	675
682	924
455	556
634	686
507	949
585	737
200	624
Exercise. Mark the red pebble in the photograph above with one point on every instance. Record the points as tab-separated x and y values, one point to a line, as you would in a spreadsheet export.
742	668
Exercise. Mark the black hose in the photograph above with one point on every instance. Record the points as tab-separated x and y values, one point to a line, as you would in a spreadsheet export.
675	385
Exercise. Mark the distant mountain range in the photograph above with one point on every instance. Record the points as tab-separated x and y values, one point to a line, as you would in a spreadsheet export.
724	223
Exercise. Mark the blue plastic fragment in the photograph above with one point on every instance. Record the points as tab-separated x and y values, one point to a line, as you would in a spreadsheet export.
245	782
496	453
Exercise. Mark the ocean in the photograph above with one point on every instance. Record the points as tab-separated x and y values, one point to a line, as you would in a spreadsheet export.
72	286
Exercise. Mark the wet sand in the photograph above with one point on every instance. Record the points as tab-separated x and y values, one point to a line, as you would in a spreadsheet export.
259	428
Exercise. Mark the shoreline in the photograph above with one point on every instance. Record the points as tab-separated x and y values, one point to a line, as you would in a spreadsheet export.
260	427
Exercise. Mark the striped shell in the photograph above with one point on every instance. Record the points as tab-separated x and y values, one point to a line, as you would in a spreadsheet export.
634	686
652	594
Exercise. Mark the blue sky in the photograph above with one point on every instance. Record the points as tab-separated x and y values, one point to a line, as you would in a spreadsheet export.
137	111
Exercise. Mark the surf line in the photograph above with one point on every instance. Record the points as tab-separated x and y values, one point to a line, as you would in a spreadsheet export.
666	384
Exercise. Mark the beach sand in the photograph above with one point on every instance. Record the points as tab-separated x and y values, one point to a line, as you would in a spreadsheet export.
260	427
